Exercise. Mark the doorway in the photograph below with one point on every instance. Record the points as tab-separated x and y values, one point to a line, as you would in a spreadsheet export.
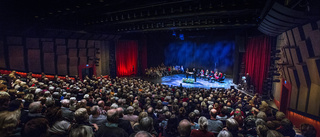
284	99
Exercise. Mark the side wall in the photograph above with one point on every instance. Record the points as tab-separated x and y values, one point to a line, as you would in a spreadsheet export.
60	56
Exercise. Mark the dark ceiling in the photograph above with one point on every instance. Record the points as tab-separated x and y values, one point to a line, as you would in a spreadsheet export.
125	16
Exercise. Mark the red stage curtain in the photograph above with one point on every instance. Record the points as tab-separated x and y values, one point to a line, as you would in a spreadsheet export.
126	57
257	60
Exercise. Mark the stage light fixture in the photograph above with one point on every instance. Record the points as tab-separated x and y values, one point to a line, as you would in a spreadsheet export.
155	12
117	18
163	11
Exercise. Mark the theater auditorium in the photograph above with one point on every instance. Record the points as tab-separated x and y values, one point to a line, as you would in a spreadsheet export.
159	68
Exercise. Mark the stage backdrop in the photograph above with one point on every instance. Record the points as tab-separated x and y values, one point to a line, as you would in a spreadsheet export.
207	55
126	57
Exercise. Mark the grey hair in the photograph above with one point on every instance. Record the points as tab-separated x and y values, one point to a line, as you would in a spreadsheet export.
81	131
143	134
260	121
114	106
34	107
65	102
94	110
203	123
224	133
81	114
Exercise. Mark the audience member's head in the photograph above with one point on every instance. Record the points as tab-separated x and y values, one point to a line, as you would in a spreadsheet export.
81	131
213	113
224	133
308	130
203	123
184	128
262	130
120	112
143	134
4	100
232	125
146	124
36	128
35	107
9	120
112	116
273	133
81	115
280	115
95	110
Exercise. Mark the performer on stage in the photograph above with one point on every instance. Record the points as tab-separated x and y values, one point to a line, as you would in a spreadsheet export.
195	74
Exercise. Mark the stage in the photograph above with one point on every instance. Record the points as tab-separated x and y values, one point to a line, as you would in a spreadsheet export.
176	79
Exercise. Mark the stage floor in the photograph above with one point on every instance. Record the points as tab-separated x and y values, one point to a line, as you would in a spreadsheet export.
176	79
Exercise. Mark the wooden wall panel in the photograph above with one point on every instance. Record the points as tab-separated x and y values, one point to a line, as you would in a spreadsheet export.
82	52
73	70
294	98
91	52
90	44
296	34
315	41
302	101
49	63
314	69
296	56
14	40
34	62
32	43
62	65
47	47
60	42
16	58
286	72
314	101
290	38
61	50
73	52
294	77
83	61
72	43
82	43
289	58
307	29
303	50
73	61
2	57
303	74
46	40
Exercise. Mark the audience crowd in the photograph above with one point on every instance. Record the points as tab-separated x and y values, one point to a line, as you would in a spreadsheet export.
163	70
122	107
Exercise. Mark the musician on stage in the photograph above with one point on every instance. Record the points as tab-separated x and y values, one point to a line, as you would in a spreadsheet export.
195	74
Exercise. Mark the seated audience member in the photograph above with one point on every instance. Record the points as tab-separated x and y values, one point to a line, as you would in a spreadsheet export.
262	130
35	111
81	131
36	127
58	126
273	133
124	124
184	128
224	133
171	128
202	131
143	134
214	125
66	112
192	117
111	129
232	126
4	98
307	130
96	117
286	128
9	121
145	124
130	116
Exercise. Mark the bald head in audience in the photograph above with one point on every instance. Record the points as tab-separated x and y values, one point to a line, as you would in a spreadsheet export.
184	128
